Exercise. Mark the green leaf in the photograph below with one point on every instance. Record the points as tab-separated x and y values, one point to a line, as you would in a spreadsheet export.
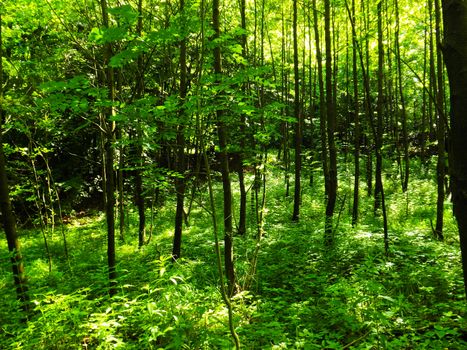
125	13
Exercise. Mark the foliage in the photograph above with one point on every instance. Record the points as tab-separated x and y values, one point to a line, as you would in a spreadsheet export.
304	297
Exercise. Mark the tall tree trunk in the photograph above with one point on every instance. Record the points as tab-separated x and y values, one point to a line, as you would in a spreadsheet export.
322	103
109	157
298	120
331	123
356	122
406	169
222	135
379	189
284	100
241	170
432	74
9	222
455	56
180	181
368	101
139	161
440	128
379	114
424	101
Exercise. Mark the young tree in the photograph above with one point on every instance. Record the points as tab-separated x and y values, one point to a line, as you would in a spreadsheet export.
180	181
406	171
440	127
243	128
455	56
298	119
224	160
9	222
331	125
139	161
109	155
322	103
379	189
356	118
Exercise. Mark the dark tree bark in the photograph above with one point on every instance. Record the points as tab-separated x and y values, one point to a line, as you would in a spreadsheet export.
331	124
298	120
109	158
424	101
432	74
139	159
406	168
440	128
9	225
180	182
379	114
368	101
322	103
379	189
284	100
455	56
9	222
357	123
241	170
222	136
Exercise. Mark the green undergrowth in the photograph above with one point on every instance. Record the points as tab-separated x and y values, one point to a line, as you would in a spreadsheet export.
304	295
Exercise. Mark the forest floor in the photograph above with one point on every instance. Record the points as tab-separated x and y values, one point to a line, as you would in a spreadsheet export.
304	296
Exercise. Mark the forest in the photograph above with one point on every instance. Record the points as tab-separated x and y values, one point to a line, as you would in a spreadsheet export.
250	174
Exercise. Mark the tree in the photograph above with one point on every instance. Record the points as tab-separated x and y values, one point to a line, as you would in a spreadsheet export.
180	181
8	218
298	119
440	128
404	173
331	126
356	117
455	56
378	133
241	172
109	129
224	160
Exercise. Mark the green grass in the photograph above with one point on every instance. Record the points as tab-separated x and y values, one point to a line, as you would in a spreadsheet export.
304	296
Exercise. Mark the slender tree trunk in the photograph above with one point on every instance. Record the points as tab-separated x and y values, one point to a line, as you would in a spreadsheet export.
9	222
331	123
455	55
357	124
109	158
379	189
226	294
298	120
180	182
139	161
406	170
424	102
440	128
379	113
432	74
368	101
284	96
241	170
322	103
222	135
9	225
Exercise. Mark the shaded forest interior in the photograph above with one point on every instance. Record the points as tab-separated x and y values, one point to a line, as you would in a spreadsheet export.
233	174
